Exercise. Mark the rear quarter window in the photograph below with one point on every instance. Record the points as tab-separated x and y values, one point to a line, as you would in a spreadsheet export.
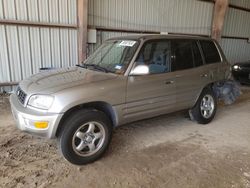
210	52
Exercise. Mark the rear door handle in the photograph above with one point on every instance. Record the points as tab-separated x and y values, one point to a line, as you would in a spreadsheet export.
204	75
169	82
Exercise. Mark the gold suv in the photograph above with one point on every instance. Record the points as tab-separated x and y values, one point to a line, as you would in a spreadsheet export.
127	79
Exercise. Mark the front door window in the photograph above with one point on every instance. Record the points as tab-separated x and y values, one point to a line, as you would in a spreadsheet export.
156	55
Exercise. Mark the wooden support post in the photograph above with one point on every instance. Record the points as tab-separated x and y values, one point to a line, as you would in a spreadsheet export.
82	29
220	9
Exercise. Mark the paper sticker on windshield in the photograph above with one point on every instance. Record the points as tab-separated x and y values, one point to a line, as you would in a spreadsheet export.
127	43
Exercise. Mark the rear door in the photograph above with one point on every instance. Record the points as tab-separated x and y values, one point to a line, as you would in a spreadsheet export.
152	94
213	61
191	76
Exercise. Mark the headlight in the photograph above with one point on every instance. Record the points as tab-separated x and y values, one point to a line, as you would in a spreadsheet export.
236	67
43	102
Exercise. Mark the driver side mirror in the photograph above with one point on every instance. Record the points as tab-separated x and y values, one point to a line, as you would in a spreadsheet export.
140	70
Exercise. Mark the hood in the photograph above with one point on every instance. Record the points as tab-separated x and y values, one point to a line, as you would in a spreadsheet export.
56	80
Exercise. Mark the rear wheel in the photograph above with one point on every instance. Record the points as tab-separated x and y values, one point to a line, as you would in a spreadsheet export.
205	108
85	137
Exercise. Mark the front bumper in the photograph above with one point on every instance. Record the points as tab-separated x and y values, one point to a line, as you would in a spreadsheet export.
25	116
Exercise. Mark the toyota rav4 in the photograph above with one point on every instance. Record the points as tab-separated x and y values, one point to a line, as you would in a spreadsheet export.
127	79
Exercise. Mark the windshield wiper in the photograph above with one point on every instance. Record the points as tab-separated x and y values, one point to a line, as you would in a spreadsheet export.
82	66
97	67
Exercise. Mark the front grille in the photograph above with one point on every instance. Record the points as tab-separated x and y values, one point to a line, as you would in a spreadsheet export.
21	95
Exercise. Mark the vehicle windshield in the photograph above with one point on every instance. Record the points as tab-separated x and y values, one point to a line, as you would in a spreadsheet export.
112	56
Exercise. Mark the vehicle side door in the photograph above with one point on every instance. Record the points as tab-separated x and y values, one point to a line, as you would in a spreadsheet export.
191	76
213	61
151	94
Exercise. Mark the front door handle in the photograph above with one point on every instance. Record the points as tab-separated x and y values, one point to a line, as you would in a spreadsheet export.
169	82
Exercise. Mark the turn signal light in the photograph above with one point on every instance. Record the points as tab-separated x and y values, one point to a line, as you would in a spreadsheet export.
41	125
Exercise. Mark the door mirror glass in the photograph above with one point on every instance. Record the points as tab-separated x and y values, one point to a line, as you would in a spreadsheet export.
140	70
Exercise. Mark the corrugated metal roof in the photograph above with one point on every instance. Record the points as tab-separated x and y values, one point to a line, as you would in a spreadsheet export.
8	9
72	11
236	50
25	53
243	3
23	50
52	11
33	10
177	16
4	61
237	23
26	49
160	15
14	53
1	10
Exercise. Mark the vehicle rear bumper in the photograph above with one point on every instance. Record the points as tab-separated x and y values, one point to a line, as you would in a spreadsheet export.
242	77
25	119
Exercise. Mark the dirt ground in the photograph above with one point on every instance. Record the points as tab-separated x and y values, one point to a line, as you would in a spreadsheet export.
167	151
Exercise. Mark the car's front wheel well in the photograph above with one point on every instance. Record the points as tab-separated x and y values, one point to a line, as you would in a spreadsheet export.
93	106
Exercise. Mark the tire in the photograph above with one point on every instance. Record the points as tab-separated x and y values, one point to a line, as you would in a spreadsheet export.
205	108
85	137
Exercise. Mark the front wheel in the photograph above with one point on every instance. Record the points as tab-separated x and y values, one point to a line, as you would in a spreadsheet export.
205	108
85	137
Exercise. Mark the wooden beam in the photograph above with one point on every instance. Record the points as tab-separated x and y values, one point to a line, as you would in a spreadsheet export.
110	29
230	5
220	9
239	8
37	24
82	29
2	84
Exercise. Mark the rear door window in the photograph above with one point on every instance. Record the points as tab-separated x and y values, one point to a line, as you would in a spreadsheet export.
210	52
183	55
198	61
